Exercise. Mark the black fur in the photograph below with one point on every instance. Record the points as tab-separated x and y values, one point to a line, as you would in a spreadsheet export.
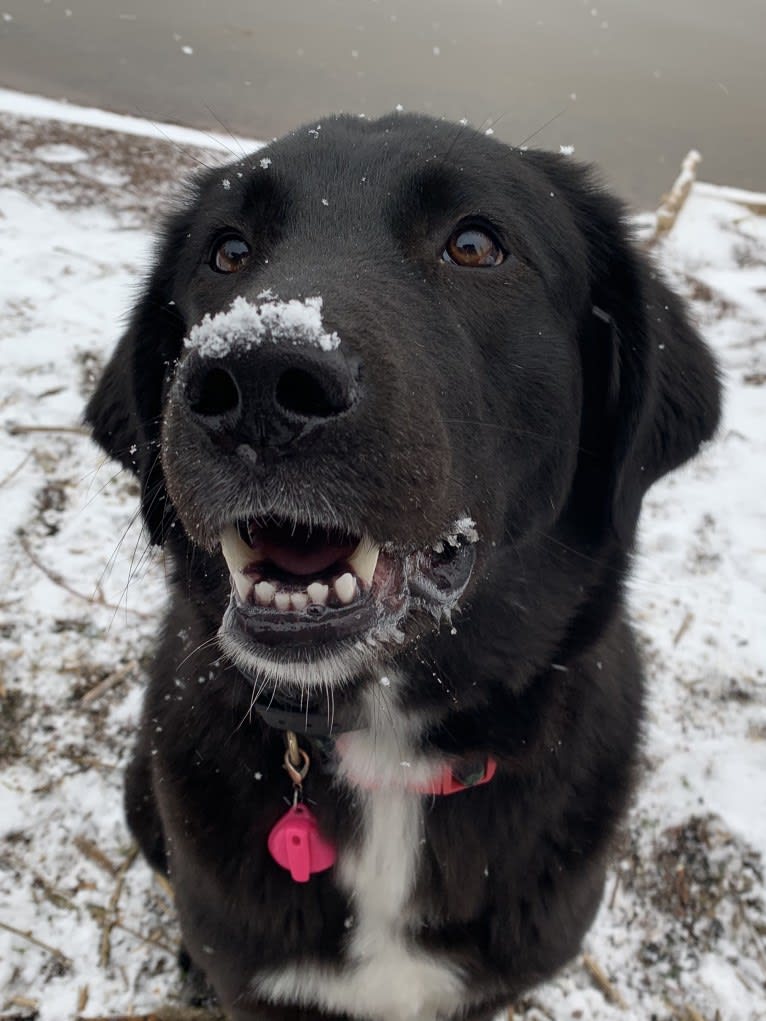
544	396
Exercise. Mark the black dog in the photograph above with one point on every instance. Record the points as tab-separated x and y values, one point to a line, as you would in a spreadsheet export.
413	385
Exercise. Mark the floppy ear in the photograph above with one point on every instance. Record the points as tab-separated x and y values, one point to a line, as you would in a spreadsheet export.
670	395
651	386
124	410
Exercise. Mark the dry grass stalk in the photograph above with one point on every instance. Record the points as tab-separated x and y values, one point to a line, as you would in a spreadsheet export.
164	1014
25	1002
23	430
673	202
153	941
110	916
61	582
111	681
83	995
690	1014
685	625
601	979
95	854
53	951
12	475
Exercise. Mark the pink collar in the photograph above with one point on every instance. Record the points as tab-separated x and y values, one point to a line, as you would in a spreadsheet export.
453	780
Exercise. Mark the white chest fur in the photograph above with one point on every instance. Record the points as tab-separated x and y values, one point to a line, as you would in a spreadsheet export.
384	976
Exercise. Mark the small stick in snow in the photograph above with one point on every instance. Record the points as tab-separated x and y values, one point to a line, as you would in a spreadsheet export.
685	625
25	1002
92	851
111	681
164	1014
152	941
66	961
601	979
83	996
692	1015
615	888
56	578
673	202
110	915
12	475
23	430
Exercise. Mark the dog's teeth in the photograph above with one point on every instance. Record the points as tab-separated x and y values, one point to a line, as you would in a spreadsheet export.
238	556
237	553
282	600
264	593
345	588
364	560
318	593
299	600
243	585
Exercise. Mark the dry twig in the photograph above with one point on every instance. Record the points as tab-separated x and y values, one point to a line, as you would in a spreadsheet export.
92	851
12	475
601	979
110	916
685	625
673	202
110	681
164	1014
22	430
57	579
153	941
53	951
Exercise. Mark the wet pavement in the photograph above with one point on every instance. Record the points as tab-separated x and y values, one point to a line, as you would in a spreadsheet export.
631	85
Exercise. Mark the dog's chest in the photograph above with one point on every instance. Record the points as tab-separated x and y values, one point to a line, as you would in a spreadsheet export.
384	975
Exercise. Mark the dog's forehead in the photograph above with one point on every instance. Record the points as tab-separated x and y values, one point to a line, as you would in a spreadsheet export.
348	160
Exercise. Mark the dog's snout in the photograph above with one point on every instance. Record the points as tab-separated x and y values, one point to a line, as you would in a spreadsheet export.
212	393
314	392
271	396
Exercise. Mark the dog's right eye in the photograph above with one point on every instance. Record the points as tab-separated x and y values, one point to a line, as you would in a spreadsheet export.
230	254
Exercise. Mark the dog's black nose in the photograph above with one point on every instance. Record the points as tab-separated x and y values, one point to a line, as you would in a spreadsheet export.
271	396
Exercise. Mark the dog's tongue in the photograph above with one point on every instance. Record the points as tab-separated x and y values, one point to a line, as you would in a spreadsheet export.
299	551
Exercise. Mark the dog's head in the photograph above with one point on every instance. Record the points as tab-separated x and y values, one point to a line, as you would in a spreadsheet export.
373	356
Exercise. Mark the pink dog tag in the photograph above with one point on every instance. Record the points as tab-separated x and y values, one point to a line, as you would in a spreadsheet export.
296	844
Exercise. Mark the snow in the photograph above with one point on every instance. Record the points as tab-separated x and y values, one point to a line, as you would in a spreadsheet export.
245	325
682	924
25	105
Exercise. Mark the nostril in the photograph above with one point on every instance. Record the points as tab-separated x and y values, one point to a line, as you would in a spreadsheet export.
215	394
309	396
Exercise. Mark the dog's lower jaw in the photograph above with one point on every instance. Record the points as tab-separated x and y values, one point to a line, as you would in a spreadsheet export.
302	670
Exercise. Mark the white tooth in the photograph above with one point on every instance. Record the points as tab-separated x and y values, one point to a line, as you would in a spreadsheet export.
299	600
318	592
236	551
264	593
282	600
345	588
238	556
243	585
364	560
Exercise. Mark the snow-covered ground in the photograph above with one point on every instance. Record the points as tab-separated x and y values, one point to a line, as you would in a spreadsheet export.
84	928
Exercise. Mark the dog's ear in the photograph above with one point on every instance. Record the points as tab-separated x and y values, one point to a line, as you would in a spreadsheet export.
124	410
651	386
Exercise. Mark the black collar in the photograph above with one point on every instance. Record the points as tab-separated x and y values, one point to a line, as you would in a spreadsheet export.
302	716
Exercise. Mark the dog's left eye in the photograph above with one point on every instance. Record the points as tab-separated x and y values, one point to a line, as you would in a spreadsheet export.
473	246
230	254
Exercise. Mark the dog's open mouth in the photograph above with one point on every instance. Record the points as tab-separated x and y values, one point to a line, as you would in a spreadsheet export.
297	585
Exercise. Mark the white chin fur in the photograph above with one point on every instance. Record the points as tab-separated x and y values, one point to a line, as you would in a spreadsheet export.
306	672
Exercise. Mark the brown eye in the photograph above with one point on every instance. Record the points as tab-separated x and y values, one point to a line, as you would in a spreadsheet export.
230	254
472	246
